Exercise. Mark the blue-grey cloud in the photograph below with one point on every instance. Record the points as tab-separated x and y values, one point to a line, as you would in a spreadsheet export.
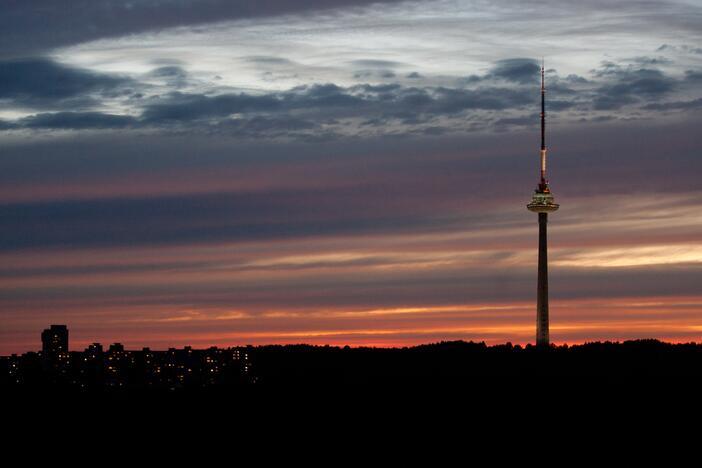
381	64
187	107
41	83
693	76
173	75
628	86
197	218
4	125
518	70
322	111
676	105
272	127
391	101
76	121
683	48
29	28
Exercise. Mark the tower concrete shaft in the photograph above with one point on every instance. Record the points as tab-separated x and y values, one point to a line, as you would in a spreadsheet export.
542	337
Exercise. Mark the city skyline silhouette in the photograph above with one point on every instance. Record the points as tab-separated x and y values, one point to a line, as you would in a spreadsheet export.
98	370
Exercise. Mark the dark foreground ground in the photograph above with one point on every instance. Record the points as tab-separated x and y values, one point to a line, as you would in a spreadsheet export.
368	394
471	362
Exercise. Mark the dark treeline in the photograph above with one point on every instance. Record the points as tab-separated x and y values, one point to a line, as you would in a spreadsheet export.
295	366
469	362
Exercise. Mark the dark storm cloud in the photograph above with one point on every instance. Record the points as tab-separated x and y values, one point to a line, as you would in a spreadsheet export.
368	69
651	61
7	125
186	107
374	74
33	27
518	70
197	218
577	79
676	105
77	121
169	71
327	95
681	48
302	111
299	109
268	127
529	120
629	86
382	64
172	75
39	82
693	75
383	101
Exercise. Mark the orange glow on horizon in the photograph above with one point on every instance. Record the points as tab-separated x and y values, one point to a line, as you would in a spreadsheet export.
676	320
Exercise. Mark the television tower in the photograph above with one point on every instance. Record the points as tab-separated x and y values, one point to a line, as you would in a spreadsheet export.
542	203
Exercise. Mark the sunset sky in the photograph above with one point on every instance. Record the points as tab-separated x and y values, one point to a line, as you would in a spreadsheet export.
211	172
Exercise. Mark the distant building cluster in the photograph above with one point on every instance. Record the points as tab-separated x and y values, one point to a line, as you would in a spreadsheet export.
117	368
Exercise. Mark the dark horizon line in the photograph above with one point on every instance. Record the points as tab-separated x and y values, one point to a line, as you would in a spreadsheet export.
507	344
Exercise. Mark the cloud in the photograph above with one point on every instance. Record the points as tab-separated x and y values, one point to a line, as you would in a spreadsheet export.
269	60
647	61
694	76
29	28
178	106
529	120
172	75
684	48
629	86
371	63
76	121
676	105
324	101
4	125
198	218
270	127
518	70
44	83
85	99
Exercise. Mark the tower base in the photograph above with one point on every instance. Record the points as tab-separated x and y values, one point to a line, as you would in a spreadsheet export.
542	331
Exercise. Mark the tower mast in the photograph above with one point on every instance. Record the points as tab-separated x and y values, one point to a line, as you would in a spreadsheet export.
543	129
542	202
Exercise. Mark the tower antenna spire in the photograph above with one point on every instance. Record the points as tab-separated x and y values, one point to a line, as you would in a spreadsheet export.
543	183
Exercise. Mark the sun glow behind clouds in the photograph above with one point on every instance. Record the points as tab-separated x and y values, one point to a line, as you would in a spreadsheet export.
575	321
664	254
